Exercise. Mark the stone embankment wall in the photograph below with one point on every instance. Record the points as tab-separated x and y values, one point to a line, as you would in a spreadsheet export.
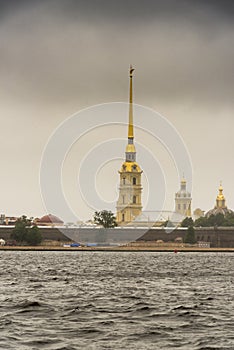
51	234
221	237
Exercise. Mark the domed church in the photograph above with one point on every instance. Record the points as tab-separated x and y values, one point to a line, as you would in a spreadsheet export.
220	207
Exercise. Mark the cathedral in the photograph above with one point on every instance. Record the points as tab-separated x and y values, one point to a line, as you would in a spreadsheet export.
129	204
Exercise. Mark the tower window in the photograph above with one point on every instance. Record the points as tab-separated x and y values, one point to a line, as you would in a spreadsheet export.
122	217
124	180
134	199
134	181
123	199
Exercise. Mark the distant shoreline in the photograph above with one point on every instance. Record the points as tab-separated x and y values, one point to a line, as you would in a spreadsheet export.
116	249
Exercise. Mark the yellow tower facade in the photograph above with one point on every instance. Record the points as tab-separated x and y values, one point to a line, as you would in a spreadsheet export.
129	204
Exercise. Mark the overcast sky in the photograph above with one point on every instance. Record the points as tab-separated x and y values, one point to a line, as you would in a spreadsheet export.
60	56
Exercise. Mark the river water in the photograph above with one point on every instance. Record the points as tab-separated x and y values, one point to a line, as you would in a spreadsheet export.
116	300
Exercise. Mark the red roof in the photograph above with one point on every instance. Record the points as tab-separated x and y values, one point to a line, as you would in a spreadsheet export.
50	219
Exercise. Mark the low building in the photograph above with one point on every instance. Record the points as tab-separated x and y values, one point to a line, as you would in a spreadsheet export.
49	220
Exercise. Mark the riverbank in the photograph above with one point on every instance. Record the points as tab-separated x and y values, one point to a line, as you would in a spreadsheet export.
117	249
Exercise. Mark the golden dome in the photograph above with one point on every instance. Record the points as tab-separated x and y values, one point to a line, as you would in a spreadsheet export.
220	207
130	167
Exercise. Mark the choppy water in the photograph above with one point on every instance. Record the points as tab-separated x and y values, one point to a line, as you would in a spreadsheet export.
85	300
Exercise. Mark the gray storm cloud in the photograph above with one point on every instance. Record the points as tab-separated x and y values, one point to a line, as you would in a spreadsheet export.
59	56
65	48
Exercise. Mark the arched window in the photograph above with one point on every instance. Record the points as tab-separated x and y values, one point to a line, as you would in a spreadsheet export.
134	199
134	181
122	217
124	180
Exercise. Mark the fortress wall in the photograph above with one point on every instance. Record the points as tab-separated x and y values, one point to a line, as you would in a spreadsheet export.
221	237
47	234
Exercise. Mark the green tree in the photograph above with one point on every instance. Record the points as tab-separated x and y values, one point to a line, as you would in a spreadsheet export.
34	236
24	232
105	218
216	220
201	222
187	222
190	236
229	219
20	231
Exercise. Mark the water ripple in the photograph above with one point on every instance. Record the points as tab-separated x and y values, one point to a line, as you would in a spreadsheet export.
95	300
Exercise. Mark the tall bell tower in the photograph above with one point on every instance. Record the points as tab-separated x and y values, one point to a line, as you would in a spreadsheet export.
129	202
183	200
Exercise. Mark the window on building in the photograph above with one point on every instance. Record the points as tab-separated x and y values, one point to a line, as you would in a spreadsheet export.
184	206
178	206
134	181
122	217
124	180
134	199
123	199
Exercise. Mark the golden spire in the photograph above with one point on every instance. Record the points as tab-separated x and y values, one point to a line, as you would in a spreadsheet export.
130	149
130	123
220	195
220	199
183	183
